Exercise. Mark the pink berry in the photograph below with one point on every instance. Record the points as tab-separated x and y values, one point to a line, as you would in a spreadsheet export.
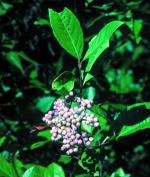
88	143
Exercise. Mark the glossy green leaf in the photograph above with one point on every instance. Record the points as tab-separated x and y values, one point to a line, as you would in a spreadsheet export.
55	170
67	31
44	103
6	169
88	77
44	134
100	42
130	129
136	105
36	171
19	165
90	93
64	83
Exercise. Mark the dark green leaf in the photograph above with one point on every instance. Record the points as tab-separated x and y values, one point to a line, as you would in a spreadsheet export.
122	81
2	140
65	159
14	59
38	144
83	175
4	7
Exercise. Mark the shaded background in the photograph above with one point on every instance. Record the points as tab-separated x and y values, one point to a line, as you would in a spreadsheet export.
31	58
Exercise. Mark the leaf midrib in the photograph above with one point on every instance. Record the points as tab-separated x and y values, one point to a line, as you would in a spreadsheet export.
69	36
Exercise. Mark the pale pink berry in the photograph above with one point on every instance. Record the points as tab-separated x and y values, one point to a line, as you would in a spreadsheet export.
79	141
88	143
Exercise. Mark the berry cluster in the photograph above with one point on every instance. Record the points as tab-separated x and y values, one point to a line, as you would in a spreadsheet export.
65	122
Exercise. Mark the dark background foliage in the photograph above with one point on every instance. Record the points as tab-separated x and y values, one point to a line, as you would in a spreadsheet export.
41	59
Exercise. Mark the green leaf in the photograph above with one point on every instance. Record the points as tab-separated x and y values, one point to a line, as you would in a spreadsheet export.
83	175
146	104
122	81
24	56
101	115
4	7
65	159
86	128
136	27
36	171
55	170
64	83
45	134
120	173
88	77
2	140
45	103
41	22
82	161
38	144
67	31
100	42
14	59
90	93
6	169
128	130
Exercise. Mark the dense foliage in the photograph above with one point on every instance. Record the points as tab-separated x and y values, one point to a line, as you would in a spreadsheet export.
100	51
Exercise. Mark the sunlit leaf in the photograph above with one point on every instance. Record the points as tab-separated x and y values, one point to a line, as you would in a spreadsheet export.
45	134
55	170
36	171
88	77
6	169
130	129
100	42
67	31
90	93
